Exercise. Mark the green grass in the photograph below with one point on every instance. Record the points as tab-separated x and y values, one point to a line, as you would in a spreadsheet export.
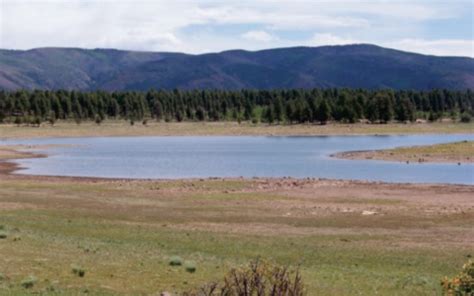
458	152
458	149
140	254
123	234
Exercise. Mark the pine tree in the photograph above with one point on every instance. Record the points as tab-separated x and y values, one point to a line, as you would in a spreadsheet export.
278	108
269	114
386	109
323	112
157	110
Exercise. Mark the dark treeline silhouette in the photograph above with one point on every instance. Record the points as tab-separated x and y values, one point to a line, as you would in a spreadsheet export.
275	106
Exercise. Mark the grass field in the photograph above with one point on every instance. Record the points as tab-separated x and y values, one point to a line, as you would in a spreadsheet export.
123	233
123	128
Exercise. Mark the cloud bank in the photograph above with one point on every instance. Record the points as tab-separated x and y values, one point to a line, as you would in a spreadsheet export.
430	27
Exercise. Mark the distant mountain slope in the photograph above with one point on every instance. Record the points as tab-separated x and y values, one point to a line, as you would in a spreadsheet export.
356	66
68	68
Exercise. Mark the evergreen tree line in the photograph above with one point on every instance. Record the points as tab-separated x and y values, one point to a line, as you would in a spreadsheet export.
270	106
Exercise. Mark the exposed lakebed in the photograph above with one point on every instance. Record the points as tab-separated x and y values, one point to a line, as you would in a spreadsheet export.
238	156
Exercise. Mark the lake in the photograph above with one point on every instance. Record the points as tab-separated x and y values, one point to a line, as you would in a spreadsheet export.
236	156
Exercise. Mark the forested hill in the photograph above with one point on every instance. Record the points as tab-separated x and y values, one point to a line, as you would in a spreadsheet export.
353	66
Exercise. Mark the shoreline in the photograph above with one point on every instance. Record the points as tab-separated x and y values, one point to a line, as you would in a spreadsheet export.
416	154
122	129
8	155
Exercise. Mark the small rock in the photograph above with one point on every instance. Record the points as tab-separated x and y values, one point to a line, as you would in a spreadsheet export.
368	213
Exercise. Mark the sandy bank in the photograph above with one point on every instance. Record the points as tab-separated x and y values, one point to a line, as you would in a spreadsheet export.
458	153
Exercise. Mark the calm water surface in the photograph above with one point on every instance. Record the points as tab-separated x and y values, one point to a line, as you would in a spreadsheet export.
234	156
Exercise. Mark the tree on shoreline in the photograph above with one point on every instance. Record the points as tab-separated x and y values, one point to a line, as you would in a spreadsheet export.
323	112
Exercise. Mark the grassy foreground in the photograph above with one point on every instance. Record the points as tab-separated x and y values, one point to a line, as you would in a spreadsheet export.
348	237
123	128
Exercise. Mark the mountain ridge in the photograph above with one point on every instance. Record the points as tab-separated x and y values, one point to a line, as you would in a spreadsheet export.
355	66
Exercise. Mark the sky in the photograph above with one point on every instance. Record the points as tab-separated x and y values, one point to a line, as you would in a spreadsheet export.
192	26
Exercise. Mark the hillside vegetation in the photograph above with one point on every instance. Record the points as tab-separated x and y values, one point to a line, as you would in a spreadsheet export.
354	66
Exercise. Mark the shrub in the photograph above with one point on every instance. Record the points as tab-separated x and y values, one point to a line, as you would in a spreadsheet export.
465	117
98	120
52	120
453	115
433	116
462	284
29	282
176	261
190	267
79	271
37	121
3	235
2	277
18	120
259	278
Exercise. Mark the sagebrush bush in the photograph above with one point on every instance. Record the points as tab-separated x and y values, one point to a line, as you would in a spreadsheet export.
79	271
175	261
29	282
3	234
465	117
462	284
190	266
257	279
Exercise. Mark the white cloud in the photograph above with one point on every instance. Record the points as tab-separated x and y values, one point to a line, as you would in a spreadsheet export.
259	36
279	17
442	47
320	39
160	25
